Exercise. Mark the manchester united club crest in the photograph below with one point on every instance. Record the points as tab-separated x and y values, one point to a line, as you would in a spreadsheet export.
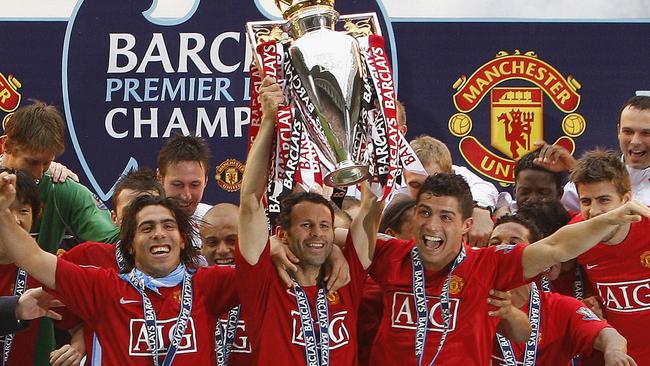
516	112
229	175
334	298
456	285
645	259
9	96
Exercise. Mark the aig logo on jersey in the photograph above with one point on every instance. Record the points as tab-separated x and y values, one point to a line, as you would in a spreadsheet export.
626	297
338	331
241	343
138	337
404	314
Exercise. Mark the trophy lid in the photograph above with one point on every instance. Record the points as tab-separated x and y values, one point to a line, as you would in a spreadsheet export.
291	7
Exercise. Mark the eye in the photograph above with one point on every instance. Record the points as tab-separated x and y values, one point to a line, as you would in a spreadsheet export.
585	202
446	218
423	212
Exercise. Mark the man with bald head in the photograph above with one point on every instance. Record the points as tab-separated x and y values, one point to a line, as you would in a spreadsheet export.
218	231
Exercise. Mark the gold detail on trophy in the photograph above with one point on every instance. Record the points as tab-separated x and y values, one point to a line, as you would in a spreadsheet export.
516	53
267	35
361	28
289	7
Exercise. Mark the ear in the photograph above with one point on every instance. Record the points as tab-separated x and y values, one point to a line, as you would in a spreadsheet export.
3	145
467	225
158	175
114	218
282	234
627	197
391	232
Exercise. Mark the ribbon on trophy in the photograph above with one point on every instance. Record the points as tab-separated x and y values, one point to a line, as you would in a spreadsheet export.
339	126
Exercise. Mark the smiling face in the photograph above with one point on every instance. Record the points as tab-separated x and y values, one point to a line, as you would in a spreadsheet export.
509	233
599	197
218	233
157	242
185	181
634	137
439	230
310	234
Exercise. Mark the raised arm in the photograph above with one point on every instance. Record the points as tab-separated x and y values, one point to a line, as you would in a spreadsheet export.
253	225
18	245
365	225
573	240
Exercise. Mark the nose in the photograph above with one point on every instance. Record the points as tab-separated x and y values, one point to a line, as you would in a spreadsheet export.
594	210
158	232
636	138
18	221
222	248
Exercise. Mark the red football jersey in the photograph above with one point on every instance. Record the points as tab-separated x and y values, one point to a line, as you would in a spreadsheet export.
370	314
620	276
114	308
568	328
24	342
471	332
272	317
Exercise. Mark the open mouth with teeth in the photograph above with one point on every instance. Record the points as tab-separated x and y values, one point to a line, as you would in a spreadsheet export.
224	261
315	246
432	242
159	250
637	153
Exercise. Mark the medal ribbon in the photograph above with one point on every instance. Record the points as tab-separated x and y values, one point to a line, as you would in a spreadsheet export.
535	316
151	322
19	289
419	294
225	341
312	356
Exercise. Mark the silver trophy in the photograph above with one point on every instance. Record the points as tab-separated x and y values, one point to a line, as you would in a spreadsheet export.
330	68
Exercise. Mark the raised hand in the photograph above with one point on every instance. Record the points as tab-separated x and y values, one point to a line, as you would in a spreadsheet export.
554	157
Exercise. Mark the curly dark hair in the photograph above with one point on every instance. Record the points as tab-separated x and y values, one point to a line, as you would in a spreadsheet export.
189	255
449	184
527	162
518	219
548	216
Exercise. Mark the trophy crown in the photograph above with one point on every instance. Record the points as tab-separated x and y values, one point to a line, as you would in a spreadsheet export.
290	7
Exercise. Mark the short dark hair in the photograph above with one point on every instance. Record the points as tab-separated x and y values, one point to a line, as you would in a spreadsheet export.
190	255
184	148
518	219
36	127
140	180
449	184
287	204
602	166
548	216
26	191
527	162
640	102
394	215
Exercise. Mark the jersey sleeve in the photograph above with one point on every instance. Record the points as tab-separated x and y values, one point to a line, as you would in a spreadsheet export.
84	213
82	289
389	252
582	324
254	282
357	273
508	266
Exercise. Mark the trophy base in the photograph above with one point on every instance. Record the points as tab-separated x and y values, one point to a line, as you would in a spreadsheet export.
346	174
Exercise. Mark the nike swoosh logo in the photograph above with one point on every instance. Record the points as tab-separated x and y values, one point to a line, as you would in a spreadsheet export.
123	301
590	266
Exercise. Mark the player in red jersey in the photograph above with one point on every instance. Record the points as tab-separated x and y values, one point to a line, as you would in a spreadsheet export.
160	310
618	268
562	327
19	349
435	304
302	324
